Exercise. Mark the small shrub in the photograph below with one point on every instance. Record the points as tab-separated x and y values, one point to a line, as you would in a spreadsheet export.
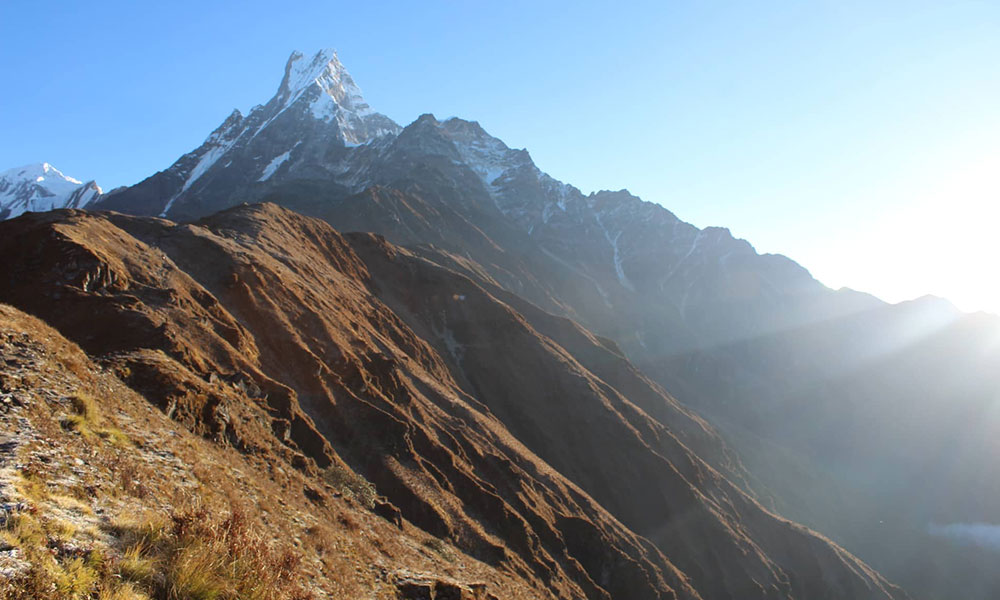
75	579
84	416
128	475
84	407
439	547
32	585
115	436
347	522
351	484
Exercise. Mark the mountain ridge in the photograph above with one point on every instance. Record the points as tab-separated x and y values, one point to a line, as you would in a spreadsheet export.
742	339
416	389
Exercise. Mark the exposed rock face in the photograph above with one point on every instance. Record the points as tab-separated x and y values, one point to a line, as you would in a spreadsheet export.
483	424
388	511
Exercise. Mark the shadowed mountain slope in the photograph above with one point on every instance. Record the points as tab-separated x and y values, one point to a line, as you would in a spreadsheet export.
481	428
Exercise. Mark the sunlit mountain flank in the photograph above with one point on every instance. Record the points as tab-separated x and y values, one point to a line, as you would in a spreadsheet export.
691	303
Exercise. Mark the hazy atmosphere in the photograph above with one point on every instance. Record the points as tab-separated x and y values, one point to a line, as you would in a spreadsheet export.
857	138
499	301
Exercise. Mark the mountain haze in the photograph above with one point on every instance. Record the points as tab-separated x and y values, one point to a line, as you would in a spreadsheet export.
367	355
580	390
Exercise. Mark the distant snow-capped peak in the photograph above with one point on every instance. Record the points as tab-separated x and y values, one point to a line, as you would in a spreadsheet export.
40	187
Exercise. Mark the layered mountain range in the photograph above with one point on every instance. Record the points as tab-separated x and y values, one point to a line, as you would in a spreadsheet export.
522	438
497	359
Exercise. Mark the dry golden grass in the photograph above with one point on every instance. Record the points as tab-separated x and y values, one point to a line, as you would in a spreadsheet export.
198	556
70	578
62	531
87	420
84	415
31	485
70	503
24	531
135	565
203	556
122	592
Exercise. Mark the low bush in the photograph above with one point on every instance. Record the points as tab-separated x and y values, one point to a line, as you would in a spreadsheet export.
351	484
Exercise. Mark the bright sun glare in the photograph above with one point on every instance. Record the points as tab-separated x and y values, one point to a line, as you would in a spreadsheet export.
942	238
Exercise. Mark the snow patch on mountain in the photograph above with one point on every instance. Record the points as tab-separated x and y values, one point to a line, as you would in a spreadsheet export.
681	262
338	85
613	240
486	155
213	154
276	162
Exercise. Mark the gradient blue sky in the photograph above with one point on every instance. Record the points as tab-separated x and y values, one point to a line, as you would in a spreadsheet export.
858	138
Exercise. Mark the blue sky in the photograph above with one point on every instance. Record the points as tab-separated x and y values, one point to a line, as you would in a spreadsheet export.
859	138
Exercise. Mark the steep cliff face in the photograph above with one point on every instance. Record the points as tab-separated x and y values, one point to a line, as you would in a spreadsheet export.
522	438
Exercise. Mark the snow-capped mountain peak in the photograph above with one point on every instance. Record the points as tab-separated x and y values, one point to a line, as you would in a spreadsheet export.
327	88
40	187
306	131
40	173
324	71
